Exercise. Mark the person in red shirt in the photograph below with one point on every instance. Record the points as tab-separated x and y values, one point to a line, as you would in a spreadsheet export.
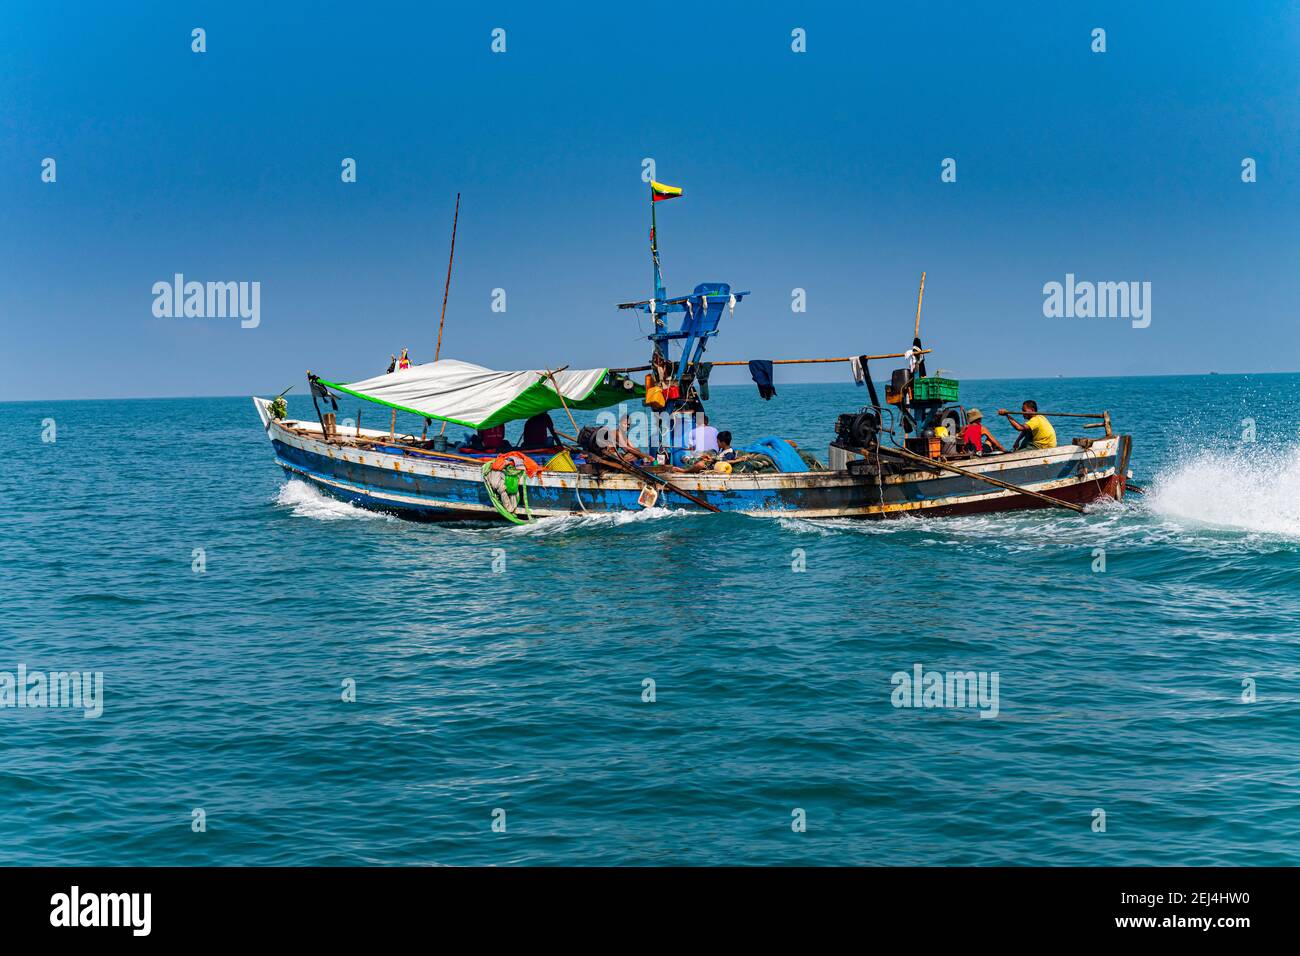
492	438
974	434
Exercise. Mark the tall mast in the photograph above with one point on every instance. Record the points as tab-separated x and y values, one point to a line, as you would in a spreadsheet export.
447	288
702	308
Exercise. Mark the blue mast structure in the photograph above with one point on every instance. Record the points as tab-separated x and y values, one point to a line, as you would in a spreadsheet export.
701	312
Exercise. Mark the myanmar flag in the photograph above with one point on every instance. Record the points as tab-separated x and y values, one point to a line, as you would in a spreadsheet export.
659	191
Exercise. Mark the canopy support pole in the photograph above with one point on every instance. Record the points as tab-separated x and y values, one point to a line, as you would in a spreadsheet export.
556	385
996	482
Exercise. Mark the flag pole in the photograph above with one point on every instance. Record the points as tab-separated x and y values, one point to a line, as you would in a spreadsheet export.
654	255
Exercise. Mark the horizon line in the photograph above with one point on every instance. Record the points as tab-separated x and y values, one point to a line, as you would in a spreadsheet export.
1039	378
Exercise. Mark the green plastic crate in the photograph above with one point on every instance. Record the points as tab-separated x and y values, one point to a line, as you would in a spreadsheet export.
935	390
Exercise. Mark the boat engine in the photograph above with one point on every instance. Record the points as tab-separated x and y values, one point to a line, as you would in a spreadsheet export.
855	430
594	439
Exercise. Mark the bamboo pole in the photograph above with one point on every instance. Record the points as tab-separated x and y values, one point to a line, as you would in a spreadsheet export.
809	361
449	454
428	454
996	482
560	395
812	361
1066	414
916	332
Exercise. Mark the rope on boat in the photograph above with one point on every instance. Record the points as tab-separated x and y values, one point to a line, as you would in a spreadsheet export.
510	473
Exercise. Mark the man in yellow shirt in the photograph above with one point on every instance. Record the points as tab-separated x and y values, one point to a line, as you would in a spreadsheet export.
1037	431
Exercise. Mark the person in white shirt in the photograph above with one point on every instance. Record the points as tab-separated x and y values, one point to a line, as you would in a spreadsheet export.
704	437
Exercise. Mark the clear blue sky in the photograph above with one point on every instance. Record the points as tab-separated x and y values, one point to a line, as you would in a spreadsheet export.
818	170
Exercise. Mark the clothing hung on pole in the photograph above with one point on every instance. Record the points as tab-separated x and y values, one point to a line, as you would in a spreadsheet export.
761	371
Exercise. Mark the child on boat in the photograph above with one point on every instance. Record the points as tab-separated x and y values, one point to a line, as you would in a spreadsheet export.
975	433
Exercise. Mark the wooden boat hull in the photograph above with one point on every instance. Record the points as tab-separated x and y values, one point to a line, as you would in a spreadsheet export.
424	487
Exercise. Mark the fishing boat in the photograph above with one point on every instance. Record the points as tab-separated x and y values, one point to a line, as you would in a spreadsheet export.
887	458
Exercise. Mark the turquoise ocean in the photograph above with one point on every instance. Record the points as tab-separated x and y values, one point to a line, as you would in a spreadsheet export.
502	673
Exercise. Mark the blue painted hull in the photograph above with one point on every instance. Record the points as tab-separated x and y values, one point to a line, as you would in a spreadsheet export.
424	487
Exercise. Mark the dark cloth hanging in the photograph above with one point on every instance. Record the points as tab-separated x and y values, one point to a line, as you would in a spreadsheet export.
920	359
702	380
871	386
320	391
761	371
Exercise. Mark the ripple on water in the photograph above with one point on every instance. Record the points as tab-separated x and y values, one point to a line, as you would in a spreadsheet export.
657	687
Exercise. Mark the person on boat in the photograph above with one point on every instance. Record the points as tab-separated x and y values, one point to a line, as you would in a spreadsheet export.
617	441
701	462
975	434
703	437
700	457
681	424
539	432
404	361
1036	432
490	439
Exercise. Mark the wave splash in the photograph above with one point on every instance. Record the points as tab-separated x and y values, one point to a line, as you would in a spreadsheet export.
1256	490
558	524
310	502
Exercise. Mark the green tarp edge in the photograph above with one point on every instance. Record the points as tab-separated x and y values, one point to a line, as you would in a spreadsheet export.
540	397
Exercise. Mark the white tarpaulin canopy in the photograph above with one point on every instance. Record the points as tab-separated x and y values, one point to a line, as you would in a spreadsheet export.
478	397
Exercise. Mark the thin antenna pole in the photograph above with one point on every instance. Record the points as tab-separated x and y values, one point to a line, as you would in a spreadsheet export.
447	288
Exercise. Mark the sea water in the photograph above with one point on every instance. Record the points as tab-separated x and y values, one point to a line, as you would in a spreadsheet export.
287	679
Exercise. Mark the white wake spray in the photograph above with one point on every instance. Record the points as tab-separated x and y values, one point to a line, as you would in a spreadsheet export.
310	502
1254	489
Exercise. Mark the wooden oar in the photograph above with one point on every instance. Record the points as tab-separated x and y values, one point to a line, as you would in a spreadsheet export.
1066	415
1104	416
647	475
651	476
996	482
